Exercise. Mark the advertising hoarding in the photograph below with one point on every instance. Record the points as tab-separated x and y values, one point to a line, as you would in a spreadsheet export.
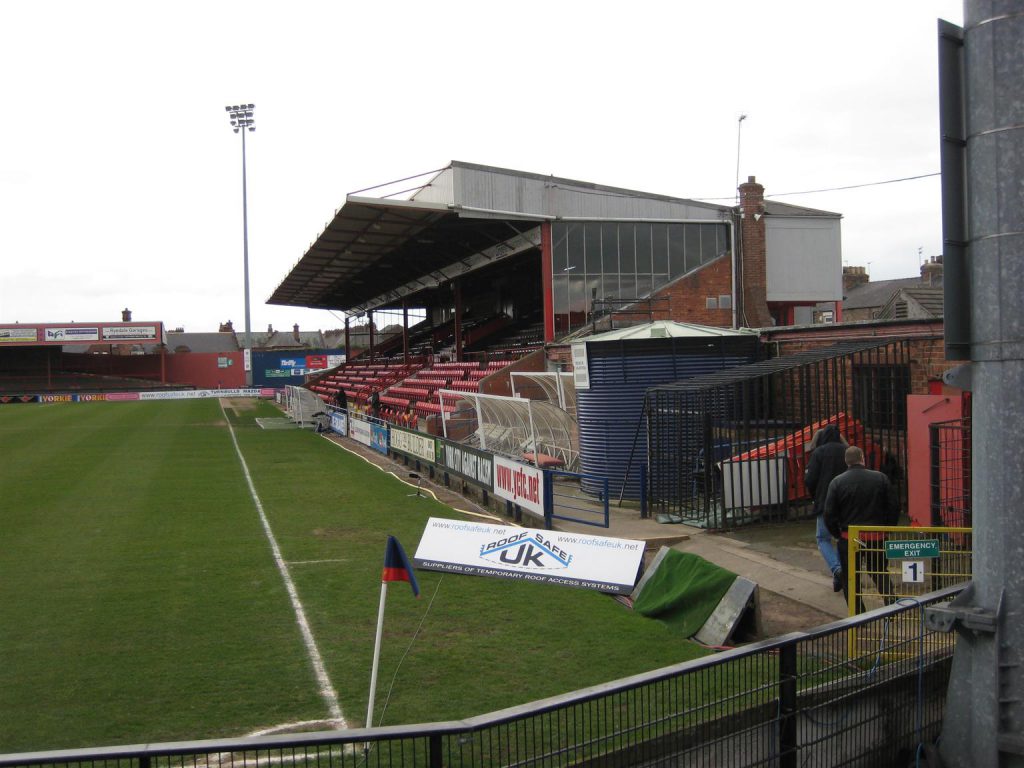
568	559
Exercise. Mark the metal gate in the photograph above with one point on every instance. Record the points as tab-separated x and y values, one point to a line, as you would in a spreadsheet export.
950	443
564	498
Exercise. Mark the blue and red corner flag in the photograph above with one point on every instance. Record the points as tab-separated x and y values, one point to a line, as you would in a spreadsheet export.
397	566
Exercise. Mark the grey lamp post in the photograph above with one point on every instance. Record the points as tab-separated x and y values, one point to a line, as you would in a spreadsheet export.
241	116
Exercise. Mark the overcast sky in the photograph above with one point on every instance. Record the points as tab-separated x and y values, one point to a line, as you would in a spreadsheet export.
120	178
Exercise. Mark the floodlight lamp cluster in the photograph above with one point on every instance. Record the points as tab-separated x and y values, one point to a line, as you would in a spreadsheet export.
241	116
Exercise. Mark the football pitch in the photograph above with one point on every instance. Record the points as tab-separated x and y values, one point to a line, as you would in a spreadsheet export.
155	588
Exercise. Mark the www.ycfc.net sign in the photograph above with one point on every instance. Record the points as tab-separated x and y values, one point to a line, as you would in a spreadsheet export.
519	483
528	554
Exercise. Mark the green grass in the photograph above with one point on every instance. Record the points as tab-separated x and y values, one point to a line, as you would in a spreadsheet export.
139	600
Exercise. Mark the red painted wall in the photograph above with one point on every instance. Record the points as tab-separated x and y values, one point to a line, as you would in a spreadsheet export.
200	369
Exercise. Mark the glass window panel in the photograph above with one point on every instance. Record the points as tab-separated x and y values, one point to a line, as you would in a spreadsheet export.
677	262
709	242
692	239
592	248
660	249
559	248
627	249
575	249
609	286
643	249
610	248
593	291
577	301
627	286
659	281
560	293
643	285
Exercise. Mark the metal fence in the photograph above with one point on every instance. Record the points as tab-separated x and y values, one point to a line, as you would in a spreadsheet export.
950	443
730	448
804	699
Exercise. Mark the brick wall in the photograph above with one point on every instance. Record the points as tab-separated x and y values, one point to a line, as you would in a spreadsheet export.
926	344
688	296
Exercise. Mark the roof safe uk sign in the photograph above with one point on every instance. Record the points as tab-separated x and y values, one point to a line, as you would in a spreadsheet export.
911	549
527	554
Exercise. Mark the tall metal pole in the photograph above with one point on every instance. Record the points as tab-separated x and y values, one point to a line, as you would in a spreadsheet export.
245	262
739	133
984	722
242	121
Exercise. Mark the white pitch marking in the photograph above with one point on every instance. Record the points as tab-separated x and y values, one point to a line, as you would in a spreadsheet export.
314	562
327	692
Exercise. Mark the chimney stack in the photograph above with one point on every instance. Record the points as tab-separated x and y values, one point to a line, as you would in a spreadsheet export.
126	315
931	272
295	331
227	327
753	256
854	277
270	328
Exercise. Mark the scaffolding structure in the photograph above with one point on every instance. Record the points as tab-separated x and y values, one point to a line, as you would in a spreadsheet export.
731	447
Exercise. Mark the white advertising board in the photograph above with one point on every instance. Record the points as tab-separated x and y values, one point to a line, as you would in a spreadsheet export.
339	422
519	483
527	554
360	431
413	443
193	394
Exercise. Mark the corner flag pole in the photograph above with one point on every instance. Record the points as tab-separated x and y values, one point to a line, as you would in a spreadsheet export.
396	568
376	653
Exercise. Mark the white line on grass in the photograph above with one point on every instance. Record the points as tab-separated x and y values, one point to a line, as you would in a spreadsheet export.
327	692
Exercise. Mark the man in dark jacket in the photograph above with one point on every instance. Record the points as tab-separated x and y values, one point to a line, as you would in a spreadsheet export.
828	452
861	496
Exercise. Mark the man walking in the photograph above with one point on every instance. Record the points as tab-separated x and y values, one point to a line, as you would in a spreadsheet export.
827	462
861	496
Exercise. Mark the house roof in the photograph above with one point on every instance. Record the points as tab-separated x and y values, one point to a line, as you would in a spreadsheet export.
918	302
775	208
876	294
202	342
292	340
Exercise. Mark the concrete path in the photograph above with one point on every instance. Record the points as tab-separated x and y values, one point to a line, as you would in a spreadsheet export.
781	558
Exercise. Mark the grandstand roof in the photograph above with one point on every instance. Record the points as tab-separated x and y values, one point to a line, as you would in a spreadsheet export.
664	329
376	251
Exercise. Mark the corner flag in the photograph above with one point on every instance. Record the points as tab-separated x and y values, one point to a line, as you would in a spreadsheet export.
397	566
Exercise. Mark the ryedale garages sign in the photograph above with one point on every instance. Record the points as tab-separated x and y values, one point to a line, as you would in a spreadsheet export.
528	554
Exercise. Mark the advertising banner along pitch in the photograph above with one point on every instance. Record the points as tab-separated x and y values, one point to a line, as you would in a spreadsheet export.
527	554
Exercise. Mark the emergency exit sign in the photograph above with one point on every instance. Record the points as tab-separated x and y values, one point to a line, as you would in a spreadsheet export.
911	549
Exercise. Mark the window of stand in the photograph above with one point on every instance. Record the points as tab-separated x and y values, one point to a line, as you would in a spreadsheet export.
609	260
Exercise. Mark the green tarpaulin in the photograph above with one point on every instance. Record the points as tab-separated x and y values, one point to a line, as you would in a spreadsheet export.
683	591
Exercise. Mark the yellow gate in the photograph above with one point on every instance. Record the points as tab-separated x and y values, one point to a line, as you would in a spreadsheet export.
898	563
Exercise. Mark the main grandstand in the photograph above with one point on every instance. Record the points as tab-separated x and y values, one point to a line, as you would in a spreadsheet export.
505	265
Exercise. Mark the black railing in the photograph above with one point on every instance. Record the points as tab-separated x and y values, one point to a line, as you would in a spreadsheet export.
730	448
868	688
